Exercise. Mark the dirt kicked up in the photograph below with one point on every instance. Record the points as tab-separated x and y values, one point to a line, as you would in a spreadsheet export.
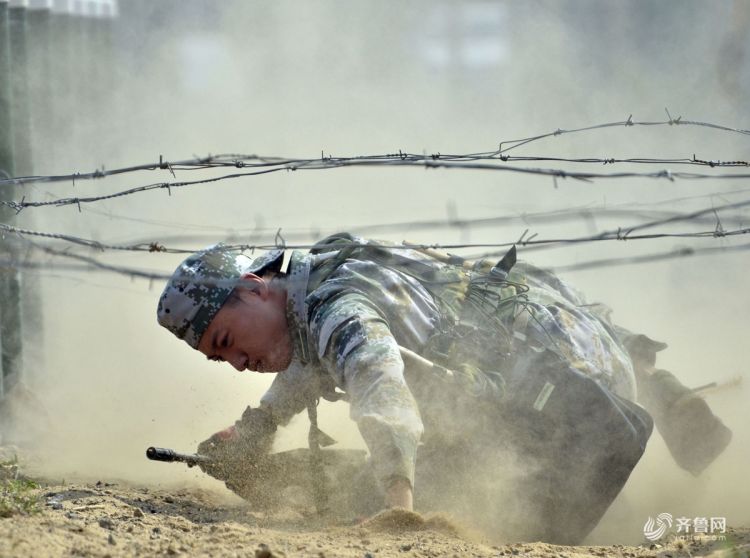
113	520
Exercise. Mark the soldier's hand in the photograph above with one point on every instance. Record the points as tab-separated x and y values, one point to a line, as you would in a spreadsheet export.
218	440
221	450
398	494
236	448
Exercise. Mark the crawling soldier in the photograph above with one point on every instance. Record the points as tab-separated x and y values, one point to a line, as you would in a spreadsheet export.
448	366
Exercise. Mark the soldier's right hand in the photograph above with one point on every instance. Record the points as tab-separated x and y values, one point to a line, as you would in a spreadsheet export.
212	444
233	450
220	449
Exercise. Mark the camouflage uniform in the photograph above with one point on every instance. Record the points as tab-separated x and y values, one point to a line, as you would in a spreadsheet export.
348	328
351	311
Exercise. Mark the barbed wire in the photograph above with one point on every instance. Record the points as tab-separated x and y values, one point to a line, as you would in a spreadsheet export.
648	258
43	271
621	233
275	163
87	264
242	160
586	211
629	122
495	160
91	263
627	233
543	218
94	244
552	173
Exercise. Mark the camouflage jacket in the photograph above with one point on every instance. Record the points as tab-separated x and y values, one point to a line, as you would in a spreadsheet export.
349	317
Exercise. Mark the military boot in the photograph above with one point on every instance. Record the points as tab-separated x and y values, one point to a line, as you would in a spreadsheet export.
694	435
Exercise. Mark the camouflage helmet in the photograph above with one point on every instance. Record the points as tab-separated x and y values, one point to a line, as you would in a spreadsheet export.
201	284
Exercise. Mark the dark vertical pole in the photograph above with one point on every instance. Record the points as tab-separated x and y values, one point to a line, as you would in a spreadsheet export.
6	164
10	282
10	318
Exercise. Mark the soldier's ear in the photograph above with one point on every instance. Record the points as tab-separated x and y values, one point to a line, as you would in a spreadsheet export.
254	284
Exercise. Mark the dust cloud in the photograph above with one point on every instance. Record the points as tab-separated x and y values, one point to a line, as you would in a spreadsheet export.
178	78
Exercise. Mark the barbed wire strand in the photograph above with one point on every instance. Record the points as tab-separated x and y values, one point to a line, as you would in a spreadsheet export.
19	206
151	276
464	224
266	165
42	271
86	264
627	233
241	160
629	122
648	258
596	211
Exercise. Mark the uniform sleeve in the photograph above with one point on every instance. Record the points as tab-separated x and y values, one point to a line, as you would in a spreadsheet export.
290	392
356	347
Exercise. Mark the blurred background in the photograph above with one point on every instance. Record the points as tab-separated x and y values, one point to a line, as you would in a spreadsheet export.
100	85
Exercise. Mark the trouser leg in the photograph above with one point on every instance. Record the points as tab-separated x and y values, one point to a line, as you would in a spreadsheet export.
580	448
569	491
694	435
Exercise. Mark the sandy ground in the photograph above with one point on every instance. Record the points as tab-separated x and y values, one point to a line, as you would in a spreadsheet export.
105	519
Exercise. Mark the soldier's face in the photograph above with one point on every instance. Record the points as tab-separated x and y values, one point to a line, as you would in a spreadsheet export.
250	331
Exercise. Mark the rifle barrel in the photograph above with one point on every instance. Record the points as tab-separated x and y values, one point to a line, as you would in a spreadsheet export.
170	456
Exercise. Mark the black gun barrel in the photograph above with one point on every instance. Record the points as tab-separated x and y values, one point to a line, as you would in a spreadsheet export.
170	456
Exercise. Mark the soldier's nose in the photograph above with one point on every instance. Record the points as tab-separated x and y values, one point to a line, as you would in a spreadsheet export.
239	362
